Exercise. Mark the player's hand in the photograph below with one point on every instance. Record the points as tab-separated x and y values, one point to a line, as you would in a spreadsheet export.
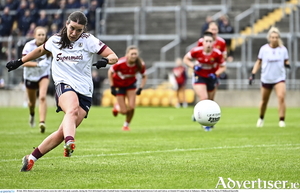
251	79
212	76
287	66
113	90
14	64
101	63
138	92
197	68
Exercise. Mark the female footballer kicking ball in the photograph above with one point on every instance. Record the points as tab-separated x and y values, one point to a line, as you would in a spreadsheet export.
72	50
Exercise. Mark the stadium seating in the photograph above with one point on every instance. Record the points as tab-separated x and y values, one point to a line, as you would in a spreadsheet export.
265	22
161	96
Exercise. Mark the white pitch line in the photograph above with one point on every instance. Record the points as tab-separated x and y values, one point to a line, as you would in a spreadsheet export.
171	150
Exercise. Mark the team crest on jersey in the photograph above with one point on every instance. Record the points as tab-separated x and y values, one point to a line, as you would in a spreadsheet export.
80	44
212	60
67	87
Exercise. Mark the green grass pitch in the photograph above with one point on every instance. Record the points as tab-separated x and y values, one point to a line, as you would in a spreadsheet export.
163	150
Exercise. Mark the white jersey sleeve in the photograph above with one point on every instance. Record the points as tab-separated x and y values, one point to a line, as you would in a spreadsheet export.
286	54
260	53
94	45
48	44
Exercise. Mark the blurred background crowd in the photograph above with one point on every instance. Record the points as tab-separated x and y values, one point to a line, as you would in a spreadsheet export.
19	18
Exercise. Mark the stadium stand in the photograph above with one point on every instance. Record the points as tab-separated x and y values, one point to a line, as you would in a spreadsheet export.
164	30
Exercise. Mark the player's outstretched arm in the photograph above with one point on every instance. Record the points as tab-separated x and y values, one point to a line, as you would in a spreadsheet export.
36	53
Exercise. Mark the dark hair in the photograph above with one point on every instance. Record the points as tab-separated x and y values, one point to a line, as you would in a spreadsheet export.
139	61
207	33
76	16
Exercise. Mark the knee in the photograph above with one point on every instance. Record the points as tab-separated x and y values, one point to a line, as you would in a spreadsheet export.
281	99
30	104
42	99
74	111
130	108
123	111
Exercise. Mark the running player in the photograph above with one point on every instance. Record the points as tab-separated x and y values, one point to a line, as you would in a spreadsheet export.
219	43
272	59
123	82
208	63
72	50
36	77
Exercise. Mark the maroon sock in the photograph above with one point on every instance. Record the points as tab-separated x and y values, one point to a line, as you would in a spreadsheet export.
68	138
36	153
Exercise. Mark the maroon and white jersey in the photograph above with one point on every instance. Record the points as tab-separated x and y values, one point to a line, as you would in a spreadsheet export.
272	63
124	74
36	73
210	62
219	44
72	65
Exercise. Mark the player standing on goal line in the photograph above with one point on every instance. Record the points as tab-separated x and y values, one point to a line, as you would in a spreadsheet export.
208	63
272	59
72	50
122	79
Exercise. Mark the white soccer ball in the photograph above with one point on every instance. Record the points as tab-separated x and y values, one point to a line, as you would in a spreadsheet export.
207	112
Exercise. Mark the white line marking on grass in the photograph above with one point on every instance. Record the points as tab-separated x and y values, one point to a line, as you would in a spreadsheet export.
294	146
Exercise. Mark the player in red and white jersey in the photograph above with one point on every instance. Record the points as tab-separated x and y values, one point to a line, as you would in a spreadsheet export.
208	63
122	78
72	50
36	77
272	59
219	43
180	75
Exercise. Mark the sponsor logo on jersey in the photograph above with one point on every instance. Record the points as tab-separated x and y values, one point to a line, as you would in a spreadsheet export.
274	60
60	57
